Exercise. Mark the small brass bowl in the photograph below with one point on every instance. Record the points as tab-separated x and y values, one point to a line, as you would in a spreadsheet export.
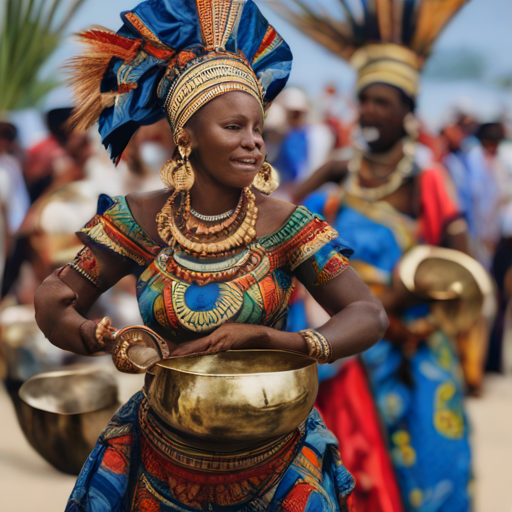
231	400
63	413
459	286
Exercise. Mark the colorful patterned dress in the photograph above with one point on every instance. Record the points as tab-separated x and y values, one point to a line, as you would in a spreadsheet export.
418	397
180	297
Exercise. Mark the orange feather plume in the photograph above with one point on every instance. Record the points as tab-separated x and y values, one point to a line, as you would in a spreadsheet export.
86	73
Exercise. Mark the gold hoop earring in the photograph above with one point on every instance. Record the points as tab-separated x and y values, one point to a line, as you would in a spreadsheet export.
167	171
267	179
178	174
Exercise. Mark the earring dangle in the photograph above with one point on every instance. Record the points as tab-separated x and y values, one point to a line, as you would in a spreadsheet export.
267	179
178	174
412	126
183	176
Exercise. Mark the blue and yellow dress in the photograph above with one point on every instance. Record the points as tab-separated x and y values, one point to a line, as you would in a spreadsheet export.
419	396
180	298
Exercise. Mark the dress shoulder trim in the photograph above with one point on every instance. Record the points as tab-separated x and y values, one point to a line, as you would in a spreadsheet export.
300	238
295	222
115	228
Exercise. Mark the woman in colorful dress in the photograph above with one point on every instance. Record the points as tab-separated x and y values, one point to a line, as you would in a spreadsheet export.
214	257
398	410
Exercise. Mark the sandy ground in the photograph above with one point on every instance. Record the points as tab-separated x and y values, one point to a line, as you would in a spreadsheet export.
491	418
29	484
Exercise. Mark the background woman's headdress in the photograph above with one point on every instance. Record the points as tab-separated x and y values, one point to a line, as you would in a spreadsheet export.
170	58
387	41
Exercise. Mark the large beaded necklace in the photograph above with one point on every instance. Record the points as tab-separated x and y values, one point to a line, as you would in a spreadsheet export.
202	237
404	169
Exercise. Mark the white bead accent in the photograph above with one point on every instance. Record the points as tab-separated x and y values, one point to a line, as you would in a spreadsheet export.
211	218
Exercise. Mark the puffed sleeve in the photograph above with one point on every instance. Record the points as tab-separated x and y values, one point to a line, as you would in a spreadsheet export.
114	244
316	254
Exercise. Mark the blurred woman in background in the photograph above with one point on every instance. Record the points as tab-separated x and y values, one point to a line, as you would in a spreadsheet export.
391	197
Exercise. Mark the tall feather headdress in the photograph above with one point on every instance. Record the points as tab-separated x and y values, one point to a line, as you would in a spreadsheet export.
387	41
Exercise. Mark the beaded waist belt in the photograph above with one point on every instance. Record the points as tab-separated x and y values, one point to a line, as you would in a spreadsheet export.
177	473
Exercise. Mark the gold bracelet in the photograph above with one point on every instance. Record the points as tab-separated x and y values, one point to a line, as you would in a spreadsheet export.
100	332
319	347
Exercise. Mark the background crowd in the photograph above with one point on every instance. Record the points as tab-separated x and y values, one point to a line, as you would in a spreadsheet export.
49	189
50	180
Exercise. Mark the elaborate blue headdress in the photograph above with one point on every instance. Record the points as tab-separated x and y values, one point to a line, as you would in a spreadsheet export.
170	58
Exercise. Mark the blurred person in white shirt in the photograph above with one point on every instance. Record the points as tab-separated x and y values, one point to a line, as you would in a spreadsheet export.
13	192
488	178
307	145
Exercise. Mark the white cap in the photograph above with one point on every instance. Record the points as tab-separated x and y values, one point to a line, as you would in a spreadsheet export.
294	99
276	117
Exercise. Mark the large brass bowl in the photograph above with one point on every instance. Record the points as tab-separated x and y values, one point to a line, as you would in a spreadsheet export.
232	400
63	413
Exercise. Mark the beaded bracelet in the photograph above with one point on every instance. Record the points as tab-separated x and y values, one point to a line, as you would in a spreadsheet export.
319	347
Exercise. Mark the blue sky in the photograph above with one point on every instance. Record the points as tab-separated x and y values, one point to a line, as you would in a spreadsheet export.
481	25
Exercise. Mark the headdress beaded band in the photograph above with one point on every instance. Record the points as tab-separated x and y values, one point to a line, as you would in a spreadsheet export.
206	80
145	71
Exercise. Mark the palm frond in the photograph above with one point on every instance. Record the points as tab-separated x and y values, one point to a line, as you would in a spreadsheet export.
29	34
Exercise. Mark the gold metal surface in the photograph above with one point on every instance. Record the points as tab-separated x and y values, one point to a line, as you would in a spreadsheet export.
459	286
137	348
213	75
63	413
234	399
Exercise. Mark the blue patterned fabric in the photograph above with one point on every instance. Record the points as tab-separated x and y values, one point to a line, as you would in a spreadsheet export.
425	421
110	475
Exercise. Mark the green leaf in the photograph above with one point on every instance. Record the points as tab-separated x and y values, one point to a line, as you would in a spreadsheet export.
30	32
36	94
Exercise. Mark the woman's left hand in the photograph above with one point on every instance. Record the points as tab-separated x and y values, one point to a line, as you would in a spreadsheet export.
229	336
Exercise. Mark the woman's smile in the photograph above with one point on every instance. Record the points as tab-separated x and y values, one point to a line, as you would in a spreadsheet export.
248	163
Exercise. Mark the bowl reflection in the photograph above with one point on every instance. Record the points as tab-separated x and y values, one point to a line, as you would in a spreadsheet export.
234	399
63	413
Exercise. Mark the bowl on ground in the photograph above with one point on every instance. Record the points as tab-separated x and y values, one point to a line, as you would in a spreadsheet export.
62	414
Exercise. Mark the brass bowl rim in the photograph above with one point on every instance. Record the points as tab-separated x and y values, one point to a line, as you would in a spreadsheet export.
24	395
421	253
311	360
412	259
